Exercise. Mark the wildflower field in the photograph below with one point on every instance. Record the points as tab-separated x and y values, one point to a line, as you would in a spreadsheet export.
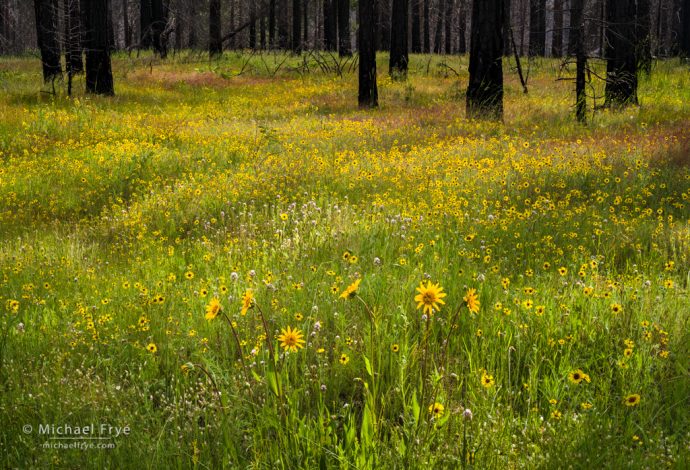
235	263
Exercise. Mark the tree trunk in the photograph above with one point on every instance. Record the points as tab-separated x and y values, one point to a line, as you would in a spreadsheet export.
507	23
462	26
427	29
99	75
73	50
383	26
621	65
448	27
577	41
330	25
557	42
397	65
252	25
344	39
215	43
416	28
192	39
283	33
438	33
272	23
684	48
47	36
643	36
153	20
485	89
366	43
537	28
262	32
305	23
144	23
296	27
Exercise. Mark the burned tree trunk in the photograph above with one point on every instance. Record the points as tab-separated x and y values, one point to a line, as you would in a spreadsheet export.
344	39
296	27
397	66
283	34
462	26
99	75
643	36
215	42
577	40
438	33
621	59
427	28
537	27
416	28
366	42
47	35
485	89
330	25
153	20
73	50
557	42
448	33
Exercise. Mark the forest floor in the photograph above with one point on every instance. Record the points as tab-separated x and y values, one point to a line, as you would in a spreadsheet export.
235	267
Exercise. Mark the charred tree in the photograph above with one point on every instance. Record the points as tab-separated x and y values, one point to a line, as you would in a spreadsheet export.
448	33
252	25
557	42
485	88
215	42
153	19
397	65
99	75
344	39
462	26
366	43
127	28
47	36
73	50
330	25
577	41
621	57
296	27
643	36
283	33
427	28
416	28
383	25
537	27
272	23
507	24
438	33
684	48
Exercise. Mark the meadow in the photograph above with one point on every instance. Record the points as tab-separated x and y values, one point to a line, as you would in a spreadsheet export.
246	270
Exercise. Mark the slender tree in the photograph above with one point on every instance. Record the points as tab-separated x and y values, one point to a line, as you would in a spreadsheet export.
621	59
215	42
127	28
557	41
153	19
99	75
462	26
305	23
397	65
344	38
485	89
252	25
507	24
47	36
366	43
537	27
438	32
643	36
383	25
577	41
73	47
330	25
448	33
416	28
685	33
283	23
272	23
296	26
427	28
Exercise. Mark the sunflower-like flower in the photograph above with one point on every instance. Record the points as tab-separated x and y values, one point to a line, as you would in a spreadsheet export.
247	301
632	400
213	309
436	410
472	300
351	290
290	339
577	376
430	297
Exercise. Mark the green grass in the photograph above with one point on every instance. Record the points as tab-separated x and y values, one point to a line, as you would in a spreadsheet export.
122	218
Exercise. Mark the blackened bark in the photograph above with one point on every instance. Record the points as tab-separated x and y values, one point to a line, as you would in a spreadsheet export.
485	89
448	27
192	39
366	43
537	27
127	26
621	64
153	19
507	24
416	28
144	23
557	43
577	42
305	23
73	51
643	36
252	25
283	33
344	39
685	33
427	29
438	45
272	23
330	25
99	75
397	65
215	43
296	26
47	36
262	32
383	27
462	26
